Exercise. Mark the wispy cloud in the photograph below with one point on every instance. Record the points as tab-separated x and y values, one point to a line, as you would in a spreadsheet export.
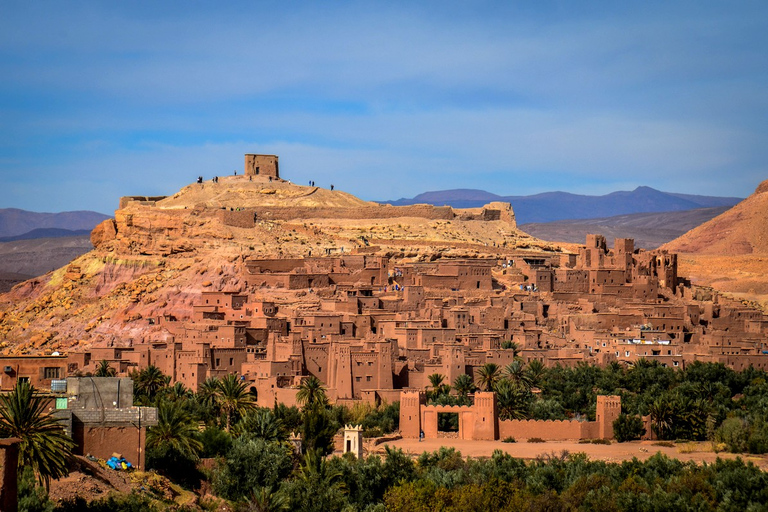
100	100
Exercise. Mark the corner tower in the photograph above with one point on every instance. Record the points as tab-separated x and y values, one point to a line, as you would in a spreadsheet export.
261	165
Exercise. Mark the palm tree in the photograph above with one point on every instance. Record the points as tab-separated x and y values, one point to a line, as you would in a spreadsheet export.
464	385
662	416
175	430
266	499
311	392
234	398
536	371
261	424
436	381
489	375
105	370
512	400
515	372
178	392
150	381
208	391
44	445
513	346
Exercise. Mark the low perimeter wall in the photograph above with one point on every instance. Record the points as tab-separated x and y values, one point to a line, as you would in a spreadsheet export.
548	430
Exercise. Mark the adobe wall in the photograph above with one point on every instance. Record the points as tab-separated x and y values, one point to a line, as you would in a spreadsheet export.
9	463
102	441
243	218
549	430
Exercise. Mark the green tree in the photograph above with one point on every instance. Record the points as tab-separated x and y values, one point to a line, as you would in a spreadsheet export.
252	464
513	400
662	416
261	424
489	374
44	446
464	385
175	430
515	372
628	428
148	383
233	398
104	369
173	445
311	392
436	381
318	487
536	371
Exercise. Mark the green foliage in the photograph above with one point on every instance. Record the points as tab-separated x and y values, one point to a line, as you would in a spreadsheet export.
251	464
261	424
104	369
148	383
628	428
488	375
32	497
44	446
319	486
233	399
290	417
173	445
117	503
311	392
318	429
216	442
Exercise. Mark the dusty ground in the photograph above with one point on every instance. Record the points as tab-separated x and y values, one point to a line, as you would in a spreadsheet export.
615	452
89	480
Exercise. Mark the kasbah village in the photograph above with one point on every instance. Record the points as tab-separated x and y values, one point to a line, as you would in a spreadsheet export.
275	282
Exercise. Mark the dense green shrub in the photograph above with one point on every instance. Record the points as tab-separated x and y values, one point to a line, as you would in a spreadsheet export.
628	428
252	464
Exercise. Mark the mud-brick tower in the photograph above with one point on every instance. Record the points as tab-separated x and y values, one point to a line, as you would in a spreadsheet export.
353	440
486	416
261	165
607	410
410	413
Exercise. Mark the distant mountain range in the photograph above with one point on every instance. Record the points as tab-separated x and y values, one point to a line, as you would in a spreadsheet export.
15	222
649	230
554	206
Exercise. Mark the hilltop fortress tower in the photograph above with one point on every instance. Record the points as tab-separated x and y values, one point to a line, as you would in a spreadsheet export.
261	165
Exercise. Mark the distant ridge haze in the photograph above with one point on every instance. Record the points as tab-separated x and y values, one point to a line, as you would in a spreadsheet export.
15	222
553	206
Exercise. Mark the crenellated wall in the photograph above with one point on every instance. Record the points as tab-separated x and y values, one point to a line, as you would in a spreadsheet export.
480	421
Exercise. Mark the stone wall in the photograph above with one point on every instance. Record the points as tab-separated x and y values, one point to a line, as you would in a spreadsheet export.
243	218
143	200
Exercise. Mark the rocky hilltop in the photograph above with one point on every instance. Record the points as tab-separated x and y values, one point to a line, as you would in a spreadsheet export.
730	252
742	229
158	253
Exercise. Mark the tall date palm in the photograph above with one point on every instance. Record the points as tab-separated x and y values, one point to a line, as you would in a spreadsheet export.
44	445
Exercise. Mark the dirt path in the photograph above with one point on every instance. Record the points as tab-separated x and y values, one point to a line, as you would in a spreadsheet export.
615	452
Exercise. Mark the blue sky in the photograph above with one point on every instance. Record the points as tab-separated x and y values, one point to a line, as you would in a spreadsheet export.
383	99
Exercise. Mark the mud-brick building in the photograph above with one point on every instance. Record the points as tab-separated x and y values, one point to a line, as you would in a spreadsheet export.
262	165
39	371
101	418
